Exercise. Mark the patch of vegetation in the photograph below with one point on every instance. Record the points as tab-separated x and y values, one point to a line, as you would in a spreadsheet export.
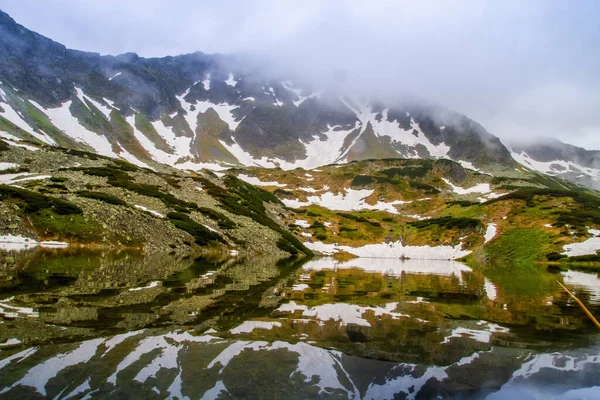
105	197
3	145
34	202
412	172
119	178
14	170
125	166
362	180
462	203
59	186
520	245
353	217
57	179
241	198
318	230
586	209
449	223
282	192
202	235
425	188
222	220
69	226
285	245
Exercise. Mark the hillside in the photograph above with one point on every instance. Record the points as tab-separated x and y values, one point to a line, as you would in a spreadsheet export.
436	210
53	194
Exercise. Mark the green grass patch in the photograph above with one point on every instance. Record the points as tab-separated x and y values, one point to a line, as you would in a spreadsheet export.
523	245
448	223
69	226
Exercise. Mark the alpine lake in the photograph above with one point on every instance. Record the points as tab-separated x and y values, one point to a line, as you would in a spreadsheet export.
81	324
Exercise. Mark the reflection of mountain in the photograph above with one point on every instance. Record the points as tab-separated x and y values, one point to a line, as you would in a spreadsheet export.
363	328
180	365
92	292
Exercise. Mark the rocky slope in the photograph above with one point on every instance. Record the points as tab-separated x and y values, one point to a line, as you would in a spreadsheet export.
54	194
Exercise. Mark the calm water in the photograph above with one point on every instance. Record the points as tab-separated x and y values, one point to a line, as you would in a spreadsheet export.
79	324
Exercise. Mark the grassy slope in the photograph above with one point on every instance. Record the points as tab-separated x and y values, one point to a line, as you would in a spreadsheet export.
537	215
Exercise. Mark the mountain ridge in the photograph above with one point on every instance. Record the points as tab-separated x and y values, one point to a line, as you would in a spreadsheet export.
197	110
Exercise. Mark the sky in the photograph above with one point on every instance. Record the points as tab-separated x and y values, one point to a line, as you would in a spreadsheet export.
522	68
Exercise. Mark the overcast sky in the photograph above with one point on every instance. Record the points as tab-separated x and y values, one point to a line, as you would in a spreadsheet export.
521	68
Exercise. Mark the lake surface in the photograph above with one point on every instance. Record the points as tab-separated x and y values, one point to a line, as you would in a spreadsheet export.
79	324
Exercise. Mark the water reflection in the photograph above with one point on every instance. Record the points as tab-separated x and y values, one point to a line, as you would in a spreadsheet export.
81	324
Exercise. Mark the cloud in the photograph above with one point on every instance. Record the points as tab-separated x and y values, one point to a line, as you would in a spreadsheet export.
526	67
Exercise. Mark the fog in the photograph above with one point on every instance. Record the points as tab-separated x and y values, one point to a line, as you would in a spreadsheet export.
522	69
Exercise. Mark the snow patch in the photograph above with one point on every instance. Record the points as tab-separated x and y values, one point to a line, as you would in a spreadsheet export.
490	232
257	182
230	80
206	82
589	246
393	250
350	200
480	188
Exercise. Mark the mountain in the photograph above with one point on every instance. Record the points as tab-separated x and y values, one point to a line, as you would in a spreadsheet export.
555	158
198	110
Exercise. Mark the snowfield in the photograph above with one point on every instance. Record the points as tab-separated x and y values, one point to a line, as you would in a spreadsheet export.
393	250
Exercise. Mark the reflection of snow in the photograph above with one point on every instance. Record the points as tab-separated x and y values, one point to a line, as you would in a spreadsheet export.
249	326
391	266
344	313
483	335
589	283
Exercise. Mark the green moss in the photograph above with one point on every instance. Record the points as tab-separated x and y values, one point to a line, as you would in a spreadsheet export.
34	202
362	180
202	235
285	245
425	188
70	227
118	178
585	211
412	171
241	198
449	223
101	196
223	221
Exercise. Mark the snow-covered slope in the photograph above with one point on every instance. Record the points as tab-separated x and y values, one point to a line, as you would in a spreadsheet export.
562	160
199	111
